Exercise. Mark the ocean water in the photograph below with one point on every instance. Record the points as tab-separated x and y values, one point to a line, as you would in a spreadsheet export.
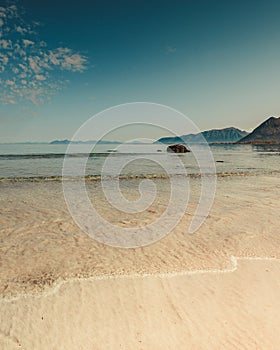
46	160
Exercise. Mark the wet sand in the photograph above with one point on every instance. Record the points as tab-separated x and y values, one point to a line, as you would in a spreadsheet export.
236	310
41	247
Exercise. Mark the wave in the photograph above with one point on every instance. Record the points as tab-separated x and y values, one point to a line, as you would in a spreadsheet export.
73	155
52	155
89	178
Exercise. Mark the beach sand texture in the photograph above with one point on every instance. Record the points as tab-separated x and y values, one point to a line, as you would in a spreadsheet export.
237	310
234	309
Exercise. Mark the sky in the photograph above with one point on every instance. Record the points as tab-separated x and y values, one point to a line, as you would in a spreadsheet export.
61	62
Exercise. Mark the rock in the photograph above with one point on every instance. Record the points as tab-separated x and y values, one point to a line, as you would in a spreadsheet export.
177	148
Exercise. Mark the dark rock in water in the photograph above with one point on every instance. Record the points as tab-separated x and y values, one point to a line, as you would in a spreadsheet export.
177	148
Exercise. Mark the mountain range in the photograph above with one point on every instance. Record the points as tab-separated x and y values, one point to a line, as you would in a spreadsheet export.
267	132
227	135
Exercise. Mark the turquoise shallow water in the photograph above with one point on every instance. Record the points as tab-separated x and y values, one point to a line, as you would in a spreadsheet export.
46	160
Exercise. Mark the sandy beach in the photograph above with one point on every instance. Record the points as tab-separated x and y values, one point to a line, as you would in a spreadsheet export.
230	310
139	175
62	290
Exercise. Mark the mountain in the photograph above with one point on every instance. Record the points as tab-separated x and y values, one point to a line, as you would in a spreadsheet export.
66	142
227	135
60	142
267	132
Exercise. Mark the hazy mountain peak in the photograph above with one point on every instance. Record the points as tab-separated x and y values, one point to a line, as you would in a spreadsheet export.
266	132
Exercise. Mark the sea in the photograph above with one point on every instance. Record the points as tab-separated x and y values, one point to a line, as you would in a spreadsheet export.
43	161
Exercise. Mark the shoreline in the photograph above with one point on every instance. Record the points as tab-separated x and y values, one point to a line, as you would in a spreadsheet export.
97	178
237	310
56	285
217	288
40	242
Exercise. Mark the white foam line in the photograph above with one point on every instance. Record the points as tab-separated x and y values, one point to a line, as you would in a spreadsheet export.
57	285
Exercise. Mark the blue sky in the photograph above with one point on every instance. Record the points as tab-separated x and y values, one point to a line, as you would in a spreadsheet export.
63	61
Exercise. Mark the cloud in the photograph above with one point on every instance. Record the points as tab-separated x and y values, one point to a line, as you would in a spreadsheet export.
10	82
170	49
28	67
40	77
27	42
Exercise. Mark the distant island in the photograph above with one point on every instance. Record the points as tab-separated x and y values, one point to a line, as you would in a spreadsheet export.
226	135
67	142
89	142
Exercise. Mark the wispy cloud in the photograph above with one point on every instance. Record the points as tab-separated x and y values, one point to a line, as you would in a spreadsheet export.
170	49
28	67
